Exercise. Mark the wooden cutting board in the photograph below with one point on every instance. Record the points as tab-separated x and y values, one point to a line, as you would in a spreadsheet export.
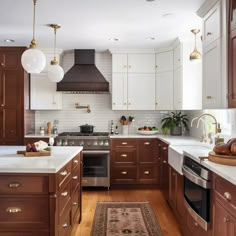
35	154
222	159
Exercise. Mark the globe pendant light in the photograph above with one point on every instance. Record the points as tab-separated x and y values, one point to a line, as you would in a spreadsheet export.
55	72
195	55
33	60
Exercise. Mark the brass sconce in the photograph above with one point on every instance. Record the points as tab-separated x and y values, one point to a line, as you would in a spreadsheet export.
77	106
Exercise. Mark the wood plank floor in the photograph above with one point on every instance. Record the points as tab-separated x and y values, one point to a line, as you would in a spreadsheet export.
162	210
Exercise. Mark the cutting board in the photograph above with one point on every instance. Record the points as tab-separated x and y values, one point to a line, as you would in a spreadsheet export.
35	154
222	159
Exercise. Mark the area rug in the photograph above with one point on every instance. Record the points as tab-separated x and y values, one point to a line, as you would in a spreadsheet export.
125	218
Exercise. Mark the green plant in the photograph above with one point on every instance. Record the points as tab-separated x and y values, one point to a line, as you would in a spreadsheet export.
173	120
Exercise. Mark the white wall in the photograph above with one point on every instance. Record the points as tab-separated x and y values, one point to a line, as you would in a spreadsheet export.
101	113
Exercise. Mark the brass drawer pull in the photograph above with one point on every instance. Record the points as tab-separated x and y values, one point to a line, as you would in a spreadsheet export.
64	173
64	194
124	143
226	220
75	203
196	224
164	162
14	185
146	172
208	97
124	155
65	225
227	196
75	177
164	148
124	172
76	161
13	210
147	143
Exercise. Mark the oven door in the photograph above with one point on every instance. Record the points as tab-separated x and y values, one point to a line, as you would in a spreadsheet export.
197	197
96	168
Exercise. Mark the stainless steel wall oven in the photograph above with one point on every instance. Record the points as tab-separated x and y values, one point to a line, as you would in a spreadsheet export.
197	191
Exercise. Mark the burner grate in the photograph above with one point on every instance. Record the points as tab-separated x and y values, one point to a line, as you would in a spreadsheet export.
83	134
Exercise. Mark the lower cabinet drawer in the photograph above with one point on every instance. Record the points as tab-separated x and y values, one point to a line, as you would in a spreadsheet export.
148	172
124	174
75	199
24	213
64	197
65	226
75	179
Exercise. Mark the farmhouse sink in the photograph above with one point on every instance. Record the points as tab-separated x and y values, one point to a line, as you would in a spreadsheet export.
175	158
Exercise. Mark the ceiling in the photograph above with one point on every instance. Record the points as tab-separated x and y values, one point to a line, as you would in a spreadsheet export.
90	23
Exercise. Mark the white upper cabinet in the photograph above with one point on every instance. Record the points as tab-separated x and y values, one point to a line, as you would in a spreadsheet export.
133	81
215	57
164	81
178	56
212	25
164	61
178	89
43	95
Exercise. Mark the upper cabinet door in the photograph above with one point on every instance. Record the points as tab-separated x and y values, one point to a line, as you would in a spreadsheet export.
119	91
212	25
178	89
9	59
164	61
178	61
141	63
43	94
141	92
119	62
212	82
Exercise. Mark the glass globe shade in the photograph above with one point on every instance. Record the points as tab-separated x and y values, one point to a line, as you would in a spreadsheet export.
33	60
55	73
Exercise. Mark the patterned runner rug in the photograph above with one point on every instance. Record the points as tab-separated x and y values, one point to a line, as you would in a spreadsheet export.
125	218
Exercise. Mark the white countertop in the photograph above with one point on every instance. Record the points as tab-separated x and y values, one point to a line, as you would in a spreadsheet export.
40	135
10	162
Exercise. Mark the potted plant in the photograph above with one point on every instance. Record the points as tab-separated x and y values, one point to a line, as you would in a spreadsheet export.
174	122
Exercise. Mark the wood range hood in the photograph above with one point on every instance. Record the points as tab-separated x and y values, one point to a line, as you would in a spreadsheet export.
84	76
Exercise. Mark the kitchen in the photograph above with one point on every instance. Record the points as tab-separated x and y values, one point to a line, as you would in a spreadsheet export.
101	105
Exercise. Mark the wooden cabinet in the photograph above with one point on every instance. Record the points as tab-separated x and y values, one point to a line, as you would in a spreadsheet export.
164	170
224	207
176	197
43	92
134	161
232	56
133	75
12	78
164	81
41	204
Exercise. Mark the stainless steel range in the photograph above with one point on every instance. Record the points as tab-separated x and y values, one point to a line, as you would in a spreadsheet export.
96	155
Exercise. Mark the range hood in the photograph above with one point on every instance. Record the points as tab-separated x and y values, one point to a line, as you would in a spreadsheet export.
84	76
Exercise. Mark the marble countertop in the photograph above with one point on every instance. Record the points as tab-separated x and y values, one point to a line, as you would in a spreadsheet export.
37	135
10	162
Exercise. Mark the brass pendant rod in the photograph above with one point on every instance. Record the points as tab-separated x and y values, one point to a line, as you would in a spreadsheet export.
33	42
55	42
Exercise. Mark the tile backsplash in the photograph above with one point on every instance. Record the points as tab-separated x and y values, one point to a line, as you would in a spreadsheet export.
101	113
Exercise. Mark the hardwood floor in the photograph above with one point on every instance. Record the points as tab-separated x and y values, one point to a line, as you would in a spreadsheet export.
162	210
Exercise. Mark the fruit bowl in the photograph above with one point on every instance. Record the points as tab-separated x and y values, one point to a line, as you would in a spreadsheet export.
147	132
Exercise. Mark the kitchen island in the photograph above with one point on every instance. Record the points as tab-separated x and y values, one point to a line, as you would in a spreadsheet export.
40	196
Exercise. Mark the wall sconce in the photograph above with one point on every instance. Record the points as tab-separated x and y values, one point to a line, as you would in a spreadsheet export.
33	60
195	54
77	106
55	72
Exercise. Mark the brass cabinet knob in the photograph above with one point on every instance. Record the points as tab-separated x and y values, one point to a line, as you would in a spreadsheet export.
63	173
164	148
227	196
146	172
14	185
75	203
164	162
13	210
124	172
146	143
124	143
75	177
64	194
123	155
76	161
226	220
65	225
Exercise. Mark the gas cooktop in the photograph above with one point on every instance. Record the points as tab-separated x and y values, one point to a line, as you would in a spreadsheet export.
84	134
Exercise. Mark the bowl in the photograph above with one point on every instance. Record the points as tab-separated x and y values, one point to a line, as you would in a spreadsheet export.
145	132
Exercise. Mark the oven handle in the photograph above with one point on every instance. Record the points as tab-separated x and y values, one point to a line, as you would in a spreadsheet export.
189	174
96	151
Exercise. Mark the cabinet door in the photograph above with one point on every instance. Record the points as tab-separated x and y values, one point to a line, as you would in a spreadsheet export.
9	59
119	91
178	89
224	223
141	63
165	90
164	61
147	151
232	70
141	92
178	56
212	25
172	187
119	63
212	82
43	93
